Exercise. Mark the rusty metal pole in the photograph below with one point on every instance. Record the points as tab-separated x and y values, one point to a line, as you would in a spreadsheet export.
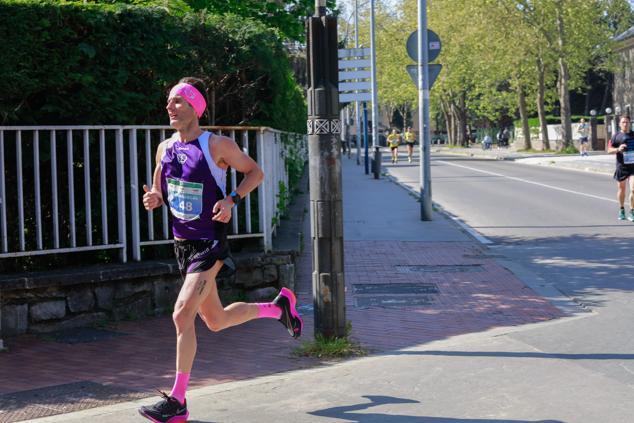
324	160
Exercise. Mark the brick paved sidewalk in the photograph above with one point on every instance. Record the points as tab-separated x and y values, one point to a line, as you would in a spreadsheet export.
398	294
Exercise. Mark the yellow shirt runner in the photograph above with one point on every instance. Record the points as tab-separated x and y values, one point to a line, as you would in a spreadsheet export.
393	140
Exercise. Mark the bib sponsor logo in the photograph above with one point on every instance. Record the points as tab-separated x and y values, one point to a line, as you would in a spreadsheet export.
182	158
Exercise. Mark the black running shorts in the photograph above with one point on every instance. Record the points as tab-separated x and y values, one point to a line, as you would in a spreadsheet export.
196	256
623	172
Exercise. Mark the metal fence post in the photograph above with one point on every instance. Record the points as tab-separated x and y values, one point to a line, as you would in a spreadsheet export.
134	197
121	197
263	189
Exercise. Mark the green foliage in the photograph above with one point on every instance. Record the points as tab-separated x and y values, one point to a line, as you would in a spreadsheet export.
75	63
287	17
569	149
550	120
329	348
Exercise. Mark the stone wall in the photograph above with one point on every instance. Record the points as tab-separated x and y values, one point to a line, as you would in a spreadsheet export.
555	137
49	301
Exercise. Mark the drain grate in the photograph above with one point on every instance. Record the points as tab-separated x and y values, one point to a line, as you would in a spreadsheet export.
396	301
395	288
81	335
61	399
439	268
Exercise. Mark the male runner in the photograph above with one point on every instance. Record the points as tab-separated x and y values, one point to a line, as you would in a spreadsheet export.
410	139
393	140
622	144
190	178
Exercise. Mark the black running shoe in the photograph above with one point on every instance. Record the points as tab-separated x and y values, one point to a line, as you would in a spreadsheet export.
168	410
290	317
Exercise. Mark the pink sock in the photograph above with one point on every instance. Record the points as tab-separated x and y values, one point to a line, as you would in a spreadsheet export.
269	310
180	386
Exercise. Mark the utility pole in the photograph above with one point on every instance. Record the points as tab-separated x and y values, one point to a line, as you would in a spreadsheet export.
324	161
356	103
423	113
375	98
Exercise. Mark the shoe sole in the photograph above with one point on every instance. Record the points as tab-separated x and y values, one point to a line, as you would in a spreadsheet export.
293	301
175	419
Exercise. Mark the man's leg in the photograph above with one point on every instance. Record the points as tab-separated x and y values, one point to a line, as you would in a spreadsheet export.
282	308
631	183
620	194
217	317
195	289
173	408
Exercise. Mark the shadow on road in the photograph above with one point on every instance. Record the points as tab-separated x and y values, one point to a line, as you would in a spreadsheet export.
347	413
597	356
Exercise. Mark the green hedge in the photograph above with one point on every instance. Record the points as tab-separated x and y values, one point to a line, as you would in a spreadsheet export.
550	120
70	63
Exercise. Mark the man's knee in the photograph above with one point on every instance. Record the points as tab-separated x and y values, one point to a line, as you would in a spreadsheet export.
214	324
183	316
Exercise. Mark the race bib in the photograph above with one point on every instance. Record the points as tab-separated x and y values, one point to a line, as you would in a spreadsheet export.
185	199
628	157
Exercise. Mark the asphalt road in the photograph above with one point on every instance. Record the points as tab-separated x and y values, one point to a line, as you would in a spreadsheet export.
557	225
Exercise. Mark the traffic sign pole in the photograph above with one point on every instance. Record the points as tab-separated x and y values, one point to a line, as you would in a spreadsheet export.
423	113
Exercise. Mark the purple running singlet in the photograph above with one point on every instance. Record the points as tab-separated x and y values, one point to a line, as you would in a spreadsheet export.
193	183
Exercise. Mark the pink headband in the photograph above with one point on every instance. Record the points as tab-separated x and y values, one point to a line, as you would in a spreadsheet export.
191	95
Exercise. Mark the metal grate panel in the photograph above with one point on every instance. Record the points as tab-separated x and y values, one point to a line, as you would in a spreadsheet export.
439	268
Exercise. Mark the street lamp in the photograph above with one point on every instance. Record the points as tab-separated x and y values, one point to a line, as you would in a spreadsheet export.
324	163
607	121
593	129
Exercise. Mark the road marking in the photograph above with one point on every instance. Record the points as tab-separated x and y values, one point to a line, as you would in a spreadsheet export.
583	194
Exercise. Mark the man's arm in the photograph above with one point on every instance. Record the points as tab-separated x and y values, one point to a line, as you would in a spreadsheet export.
153	198
228	153
612	149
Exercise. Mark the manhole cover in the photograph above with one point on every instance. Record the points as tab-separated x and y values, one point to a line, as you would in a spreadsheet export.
396	288
439	268
81	335
395	301
61	399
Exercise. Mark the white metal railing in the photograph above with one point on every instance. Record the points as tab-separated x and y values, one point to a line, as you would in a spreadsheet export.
49	192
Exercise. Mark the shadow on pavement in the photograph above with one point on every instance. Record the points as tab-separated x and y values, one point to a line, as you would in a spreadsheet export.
597	356
347	413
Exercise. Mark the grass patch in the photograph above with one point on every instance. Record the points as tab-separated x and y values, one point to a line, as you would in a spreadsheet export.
331	348
532	150
569	150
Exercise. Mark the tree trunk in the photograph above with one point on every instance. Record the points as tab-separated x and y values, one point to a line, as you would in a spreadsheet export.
564	77
541	99
524	116
462	121
446	115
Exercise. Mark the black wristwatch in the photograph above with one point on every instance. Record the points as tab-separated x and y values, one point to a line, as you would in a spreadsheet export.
235	197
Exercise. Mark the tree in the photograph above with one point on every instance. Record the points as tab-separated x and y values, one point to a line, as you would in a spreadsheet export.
287	16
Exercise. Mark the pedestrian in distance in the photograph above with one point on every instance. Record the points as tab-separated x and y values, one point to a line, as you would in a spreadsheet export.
486	142
583	131
393	141
503	137
410	140
190	179
622	144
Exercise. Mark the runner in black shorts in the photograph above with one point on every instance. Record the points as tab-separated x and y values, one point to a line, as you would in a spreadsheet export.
190	178
622	144
410	140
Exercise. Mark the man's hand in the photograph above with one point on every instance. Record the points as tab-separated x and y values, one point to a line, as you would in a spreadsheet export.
151	199
222	210
622	147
